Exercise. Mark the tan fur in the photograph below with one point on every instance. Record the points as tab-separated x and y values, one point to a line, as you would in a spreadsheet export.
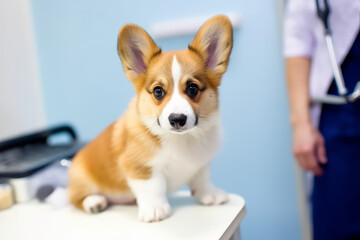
125	148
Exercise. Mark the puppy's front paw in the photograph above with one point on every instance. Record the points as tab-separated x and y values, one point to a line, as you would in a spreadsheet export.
214	196
154	213
94	203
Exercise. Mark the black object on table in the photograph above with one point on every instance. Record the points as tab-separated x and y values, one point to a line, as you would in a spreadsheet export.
24	155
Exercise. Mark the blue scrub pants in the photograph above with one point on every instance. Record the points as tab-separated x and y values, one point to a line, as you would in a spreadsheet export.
336	194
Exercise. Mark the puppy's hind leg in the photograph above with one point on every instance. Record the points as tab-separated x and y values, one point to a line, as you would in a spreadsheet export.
81	196
94	203
82	192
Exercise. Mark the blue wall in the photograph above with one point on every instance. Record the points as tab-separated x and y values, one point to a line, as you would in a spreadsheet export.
83	83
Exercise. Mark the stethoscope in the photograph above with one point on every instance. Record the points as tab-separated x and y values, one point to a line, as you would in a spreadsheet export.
343	97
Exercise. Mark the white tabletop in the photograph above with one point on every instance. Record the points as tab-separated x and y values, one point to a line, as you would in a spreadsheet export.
189	220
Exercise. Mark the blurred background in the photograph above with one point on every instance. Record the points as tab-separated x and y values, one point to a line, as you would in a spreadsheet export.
58	63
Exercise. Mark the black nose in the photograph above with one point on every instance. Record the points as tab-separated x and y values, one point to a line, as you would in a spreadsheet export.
177	120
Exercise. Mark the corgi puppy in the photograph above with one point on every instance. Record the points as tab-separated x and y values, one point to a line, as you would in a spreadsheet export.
170	131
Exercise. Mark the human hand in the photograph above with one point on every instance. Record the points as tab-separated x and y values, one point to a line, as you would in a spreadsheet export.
309	148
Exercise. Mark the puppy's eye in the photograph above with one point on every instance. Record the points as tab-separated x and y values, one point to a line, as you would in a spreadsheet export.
159	93
192	90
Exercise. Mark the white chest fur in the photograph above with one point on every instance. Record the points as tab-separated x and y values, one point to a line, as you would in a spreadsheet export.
181	156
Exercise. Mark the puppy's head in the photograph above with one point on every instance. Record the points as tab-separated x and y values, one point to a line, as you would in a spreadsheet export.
177	91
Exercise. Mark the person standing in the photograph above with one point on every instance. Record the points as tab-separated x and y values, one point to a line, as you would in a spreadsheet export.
326	138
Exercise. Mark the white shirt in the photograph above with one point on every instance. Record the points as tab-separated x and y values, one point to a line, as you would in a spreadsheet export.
304	37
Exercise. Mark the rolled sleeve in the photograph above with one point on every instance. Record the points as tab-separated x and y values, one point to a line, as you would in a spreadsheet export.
299	19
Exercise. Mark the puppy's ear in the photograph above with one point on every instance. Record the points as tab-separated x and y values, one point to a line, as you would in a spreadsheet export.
135	48
214	42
